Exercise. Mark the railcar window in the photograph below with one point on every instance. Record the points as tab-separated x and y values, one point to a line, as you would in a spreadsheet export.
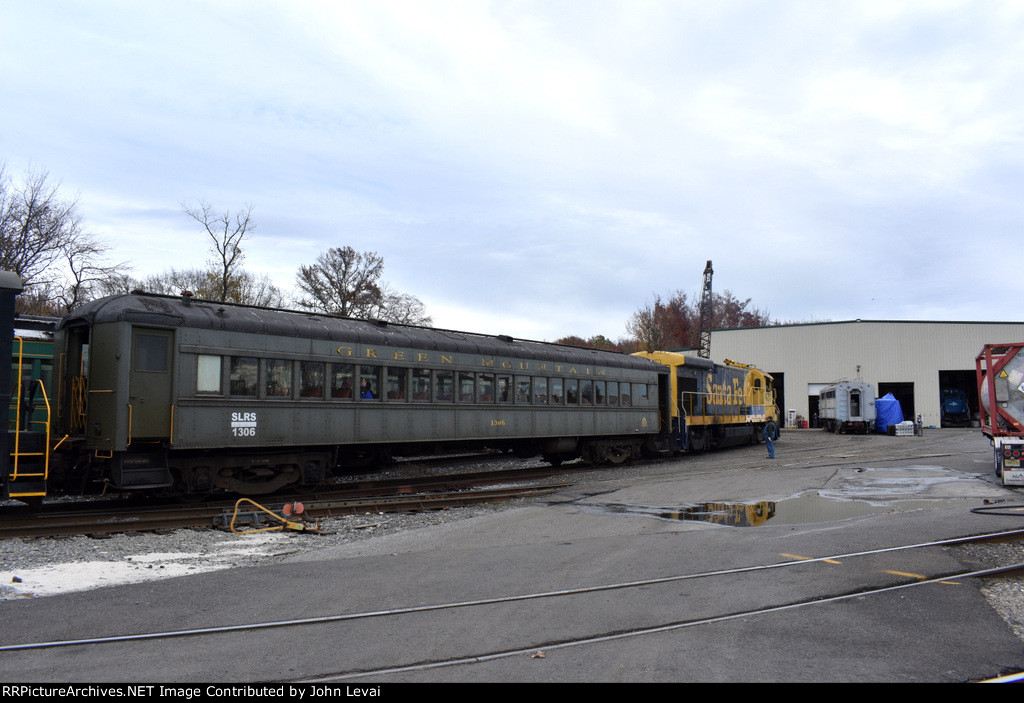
624	393
599	396
311	379
540	391
572	392
278	378
467	387
421	384
150	353
208	370
640	394
243	375
613	392
396	383
522	389
341	381
46	373
444	382
84	368
504	389
369	383
556	391
587	392
485	388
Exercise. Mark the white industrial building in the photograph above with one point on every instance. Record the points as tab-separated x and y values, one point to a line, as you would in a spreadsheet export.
912	360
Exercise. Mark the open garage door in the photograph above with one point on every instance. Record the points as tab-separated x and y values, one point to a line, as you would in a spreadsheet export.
903	391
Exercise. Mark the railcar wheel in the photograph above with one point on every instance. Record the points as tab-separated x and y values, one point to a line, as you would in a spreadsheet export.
553	459
697	441
618	455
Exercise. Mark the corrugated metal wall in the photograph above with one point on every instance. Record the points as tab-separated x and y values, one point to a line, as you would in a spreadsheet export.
873	351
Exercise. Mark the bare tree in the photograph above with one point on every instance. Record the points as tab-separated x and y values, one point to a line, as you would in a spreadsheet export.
346	282
647	326
227	233
174	282
43	240
87	273
36	227
256	290
118	283
402	308
675	323
342	281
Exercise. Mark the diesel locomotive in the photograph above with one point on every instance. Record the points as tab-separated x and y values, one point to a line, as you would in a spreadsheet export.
185	396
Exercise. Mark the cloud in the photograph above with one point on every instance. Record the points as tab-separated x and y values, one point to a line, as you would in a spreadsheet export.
542	167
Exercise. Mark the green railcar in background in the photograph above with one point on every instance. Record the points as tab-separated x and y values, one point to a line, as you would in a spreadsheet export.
31	363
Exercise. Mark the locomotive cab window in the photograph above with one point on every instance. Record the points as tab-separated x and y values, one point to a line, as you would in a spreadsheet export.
208	373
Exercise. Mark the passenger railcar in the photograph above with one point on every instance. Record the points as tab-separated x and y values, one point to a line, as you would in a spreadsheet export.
848	406
183	396
173	393
711	405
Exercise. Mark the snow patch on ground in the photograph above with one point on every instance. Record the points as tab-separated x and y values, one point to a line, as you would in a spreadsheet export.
105	567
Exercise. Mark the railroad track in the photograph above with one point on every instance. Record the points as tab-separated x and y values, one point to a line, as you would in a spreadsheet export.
470	644
370	494
436	493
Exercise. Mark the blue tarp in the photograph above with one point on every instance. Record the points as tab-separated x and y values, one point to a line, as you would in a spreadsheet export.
887	412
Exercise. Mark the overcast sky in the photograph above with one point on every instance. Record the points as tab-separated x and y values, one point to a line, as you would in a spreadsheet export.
543	168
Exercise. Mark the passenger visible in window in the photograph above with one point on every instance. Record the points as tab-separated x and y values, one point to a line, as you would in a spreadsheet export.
364	390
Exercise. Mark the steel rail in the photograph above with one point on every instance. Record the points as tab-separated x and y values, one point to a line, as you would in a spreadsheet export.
574	591
640	632
140	520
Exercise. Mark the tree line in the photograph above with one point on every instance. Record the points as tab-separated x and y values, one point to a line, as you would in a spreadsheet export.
62	265
674	323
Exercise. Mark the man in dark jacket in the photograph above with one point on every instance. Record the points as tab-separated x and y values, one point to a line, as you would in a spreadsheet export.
770	429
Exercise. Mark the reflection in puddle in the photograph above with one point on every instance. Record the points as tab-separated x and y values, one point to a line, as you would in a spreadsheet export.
734	514
851	492
804	508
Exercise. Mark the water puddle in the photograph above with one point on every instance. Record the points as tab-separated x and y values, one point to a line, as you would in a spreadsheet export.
802	509
850	492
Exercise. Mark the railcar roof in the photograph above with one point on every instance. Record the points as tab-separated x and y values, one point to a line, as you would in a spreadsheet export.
171	311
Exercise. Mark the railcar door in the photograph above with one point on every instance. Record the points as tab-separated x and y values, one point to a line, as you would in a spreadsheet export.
150	383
